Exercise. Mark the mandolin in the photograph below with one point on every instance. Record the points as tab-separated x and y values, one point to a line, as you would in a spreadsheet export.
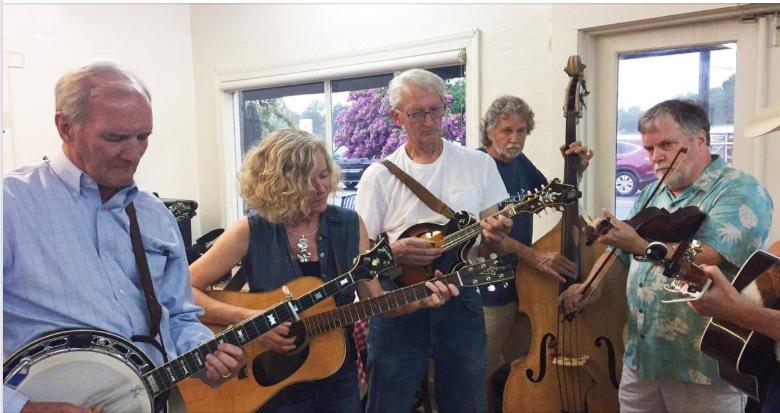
457	236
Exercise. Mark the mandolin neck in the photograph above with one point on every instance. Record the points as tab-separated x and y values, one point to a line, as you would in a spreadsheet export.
464	234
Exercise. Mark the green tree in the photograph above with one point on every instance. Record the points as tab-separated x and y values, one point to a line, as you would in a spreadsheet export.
457	89
627	119
315	112
721	104
260	117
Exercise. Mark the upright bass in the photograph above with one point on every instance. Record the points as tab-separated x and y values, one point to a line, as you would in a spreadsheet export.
574	361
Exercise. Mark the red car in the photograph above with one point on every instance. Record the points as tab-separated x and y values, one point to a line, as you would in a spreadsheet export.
633	169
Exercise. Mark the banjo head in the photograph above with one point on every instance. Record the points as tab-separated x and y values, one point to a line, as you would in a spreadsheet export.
88	368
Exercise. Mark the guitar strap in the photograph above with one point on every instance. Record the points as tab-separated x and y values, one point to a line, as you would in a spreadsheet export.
423	194
155	310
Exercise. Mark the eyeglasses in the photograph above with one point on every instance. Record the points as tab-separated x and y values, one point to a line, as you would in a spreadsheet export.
419	115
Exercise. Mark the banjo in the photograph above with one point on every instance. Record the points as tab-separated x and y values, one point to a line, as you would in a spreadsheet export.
91	368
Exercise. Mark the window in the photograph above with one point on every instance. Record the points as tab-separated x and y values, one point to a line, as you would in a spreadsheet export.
360	131
706	74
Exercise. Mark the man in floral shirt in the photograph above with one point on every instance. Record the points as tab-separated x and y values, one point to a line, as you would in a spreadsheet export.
663	370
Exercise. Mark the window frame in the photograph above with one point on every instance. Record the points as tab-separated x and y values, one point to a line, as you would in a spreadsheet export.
412	54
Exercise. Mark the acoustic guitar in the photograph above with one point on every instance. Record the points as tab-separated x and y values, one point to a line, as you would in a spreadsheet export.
320	346
745	358
458	235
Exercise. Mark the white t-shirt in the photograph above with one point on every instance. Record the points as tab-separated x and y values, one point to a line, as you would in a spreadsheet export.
464	179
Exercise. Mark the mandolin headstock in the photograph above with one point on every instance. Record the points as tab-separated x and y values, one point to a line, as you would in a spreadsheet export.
555	195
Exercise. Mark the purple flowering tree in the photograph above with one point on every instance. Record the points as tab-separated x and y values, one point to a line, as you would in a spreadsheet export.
366	130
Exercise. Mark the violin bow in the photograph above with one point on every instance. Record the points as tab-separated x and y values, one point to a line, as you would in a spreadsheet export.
592	282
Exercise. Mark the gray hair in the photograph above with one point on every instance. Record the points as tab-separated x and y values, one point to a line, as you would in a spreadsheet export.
418	77
75	89
505	106
687	114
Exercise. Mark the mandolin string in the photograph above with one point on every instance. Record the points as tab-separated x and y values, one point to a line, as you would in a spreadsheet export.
464	234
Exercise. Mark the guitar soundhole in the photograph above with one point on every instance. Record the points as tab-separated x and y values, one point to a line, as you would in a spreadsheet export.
271	368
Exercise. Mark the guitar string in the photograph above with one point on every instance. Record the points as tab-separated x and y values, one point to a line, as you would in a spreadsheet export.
325	321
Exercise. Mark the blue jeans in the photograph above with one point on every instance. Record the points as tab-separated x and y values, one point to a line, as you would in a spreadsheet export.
453	335
338	393
772	402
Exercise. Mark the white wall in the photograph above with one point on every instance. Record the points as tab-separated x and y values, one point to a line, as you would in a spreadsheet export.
151	40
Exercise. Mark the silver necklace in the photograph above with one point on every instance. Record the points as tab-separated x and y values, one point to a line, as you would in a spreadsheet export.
302	243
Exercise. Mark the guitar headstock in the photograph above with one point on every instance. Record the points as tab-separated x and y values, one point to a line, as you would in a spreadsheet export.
370	263
489	270
555	195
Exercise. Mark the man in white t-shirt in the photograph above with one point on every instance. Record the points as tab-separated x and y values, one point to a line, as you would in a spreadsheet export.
453	335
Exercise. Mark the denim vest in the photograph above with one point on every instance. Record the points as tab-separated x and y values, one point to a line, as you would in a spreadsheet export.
270	263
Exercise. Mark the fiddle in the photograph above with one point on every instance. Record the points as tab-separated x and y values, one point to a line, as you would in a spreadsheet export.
656	224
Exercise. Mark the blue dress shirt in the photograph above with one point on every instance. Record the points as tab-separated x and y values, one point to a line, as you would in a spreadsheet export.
68	263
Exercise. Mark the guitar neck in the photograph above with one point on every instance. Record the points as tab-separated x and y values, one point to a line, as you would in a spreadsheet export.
190	363
364	309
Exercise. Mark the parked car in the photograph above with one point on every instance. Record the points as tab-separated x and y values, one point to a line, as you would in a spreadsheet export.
633	169
351	168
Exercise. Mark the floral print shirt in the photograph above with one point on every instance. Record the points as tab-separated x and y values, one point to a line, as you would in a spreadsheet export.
663	339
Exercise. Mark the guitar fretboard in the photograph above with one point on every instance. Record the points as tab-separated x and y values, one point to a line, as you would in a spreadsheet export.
184	366
362	310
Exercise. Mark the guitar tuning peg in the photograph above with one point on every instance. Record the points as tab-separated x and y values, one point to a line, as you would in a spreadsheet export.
493	255
506	284
480	260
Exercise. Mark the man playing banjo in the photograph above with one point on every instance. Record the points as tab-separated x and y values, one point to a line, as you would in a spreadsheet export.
68	258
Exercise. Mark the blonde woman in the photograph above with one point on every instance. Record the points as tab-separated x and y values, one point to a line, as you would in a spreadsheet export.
285	180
